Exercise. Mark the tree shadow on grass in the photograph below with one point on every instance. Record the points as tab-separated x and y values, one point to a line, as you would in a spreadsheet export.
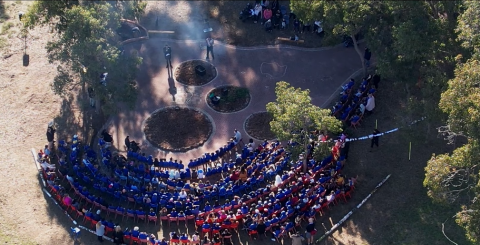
3	15
57	215
400	211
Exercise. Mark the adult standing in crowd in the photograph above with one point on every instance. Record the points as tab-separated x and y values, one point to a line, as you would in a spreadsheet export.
100	231
209	42
297	239
310	231
127	142
50	135
370	104
118	235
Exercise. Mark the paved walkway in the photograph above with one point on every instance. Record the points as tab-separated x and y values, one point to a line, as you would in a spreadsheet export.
322	71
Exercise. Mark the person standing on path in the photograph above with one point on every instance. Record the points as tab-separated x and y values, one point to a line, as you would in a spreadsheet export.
118	235
375	138
297	239
310	231
50	135
209	42
167	51
100	230
367	57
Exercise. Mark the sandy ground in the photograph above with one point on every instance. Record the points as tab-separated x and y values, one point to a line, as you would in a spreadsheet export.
26	217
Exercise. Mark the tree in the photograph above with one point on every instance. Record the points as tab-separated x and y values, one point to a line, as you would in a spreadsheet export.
455	178
415	46
462	99
469	26
339	17
307	10
294	116
87	46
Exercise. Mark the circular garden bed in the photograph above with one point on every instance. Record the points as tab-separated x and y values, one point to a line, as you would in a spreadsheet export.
257	126
228	98
195	73
177	129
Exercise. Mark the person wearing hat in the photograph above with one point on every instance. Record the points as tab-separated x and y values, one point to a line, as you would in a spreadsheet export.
167	51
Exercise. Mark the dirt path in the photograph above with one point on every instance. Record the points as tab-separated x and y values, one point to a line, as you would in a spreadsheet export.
28	105
398	214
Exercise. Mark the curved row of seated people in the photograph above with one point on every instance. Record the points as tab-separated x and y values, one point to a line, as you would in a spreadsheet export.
240	176
352	106
274	209
178	166
145	195
193	206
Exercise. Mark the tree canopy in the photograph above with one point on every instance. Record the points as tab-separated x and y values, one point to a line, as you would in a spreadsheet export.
431	49
87	45
293	112
454	178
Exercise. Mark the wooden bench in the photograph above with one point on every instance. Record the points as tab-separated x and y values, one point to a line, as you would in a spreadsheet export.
161	32
290	40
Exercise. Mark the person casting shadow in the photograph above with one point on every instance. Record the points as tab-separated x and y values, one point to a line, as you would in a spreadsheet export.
171	87
167	51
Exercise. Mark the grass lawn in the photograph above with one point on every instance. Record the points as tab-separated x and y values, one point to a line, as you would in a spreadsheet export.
400	212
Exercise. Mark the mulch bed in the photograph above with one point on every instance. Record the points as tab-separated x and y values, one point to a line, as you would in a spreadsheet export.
257	126
177	129
235	99
185	73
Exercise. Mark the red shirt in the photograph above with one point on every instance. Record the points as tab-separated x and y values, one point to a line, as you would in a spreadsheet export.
267	14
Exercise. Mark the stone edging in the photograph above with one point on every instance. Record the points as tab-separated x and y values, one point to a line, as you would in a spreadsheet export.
245	126
230	112
184	84
283	46
184	149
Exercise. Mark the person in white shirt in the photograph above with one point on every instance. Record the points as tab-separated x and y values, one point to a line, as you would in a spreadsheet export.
317	26
250	148
331	197
278	180
177	174
100	231
196	239
238	135
252	143
370	104
183	194
257	12
45	165
209	42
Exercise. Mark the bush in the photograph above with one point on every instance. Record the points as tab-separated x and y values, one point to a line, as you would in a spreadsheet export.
6	27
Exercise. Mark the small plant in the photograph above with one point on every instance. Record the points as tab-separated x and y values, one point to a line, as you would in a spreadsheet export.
6	27
3	43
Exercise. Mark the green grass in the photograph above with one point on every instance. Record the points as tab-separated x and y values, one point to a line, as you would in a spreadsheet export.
5	27
400	212
3	43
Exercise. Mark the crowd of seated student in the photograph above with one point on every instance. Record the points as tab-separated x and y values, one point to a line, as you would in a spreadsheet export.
353	105
272	15
274	201
272	207
137	192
